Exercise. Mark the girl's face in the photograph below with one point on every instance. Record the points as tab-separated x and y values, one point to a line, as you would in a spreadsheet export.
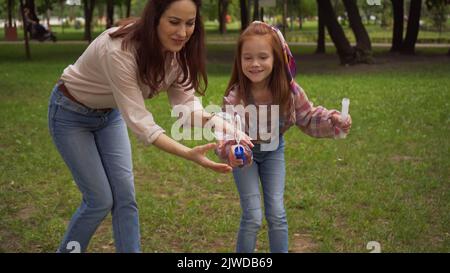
257	58
176	25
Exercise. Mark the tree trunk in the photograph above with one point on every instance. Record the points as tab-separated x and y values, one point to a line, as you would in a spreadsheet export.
88	12
320	30
384	22
10	4
284	17
412	31
345	51
32	7
300	17
47	17
25	32
61	5
363	44
223	9
109	13
120	8
128	3
397	33
244	14
256	10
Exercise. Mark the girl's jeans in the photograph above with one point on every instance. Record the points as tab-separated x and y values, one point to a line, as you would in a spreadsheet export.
269	167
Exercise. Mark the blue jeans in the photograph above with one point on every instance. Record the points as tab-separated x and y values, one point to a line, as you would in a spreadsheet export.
269	167
96	148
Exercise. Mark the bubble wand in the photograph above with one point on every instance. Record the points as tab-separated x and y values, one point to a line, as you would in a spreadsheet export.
238	148
344	115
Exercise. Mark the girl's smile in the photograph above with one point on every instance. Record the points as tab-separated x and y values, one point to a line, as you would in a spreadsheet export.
257	59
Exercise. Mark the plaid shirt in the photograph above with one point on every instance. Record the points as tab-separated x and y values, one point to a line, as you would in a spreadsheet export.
313	121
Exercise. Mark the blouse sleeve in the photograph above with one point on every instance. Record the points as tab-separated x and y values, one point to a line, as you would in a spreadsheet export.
121	71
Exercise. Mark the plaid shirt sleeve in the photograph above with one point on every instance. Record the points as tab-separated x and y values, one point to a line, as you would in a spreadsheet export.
313	121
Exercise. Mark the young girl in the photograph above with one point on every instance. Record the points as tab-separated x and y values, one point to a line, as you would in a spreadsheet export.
263	74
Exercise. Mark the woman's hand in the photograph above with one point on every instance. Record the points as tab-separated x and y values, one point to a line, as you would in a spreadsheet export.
345	125
197	154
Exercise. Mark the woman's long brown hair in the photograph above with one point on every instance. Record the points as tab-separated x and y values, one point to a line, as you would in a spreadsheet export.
278	82
142	34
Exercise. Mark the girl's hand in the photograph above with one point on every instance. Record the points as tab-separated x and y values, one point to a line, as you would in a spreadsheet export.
246	140
234	162
344	125
197	154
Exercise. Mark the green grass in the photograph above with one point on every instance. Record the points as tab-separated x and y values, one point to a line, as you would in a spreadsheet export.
387	182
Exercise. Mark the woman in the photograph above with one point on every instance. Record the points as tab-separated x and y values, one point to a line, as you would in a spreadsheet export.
103	93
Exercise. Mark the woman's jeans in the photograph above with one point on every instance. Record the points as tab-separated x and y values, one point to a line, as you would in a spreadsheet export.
269	167
96	148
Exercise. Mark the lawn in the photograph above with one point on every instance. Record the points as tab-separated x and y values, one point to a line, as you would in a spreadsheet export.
387	182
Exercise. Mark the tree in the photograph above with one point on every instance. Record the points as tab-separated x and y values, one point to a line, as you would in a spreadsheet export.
209	9
397	32
109	13
339	10
10	24
10	7
302	9
412	30
32	7
25	32
223	10
438	9
244	14
88	12
256	10
320	30
345	51
300	17
384	15
61	12
128	5
285	8
45	7
363	44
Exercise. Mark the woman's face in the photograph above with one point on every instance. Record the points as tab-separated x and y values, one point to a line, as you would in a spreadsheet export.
176	25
